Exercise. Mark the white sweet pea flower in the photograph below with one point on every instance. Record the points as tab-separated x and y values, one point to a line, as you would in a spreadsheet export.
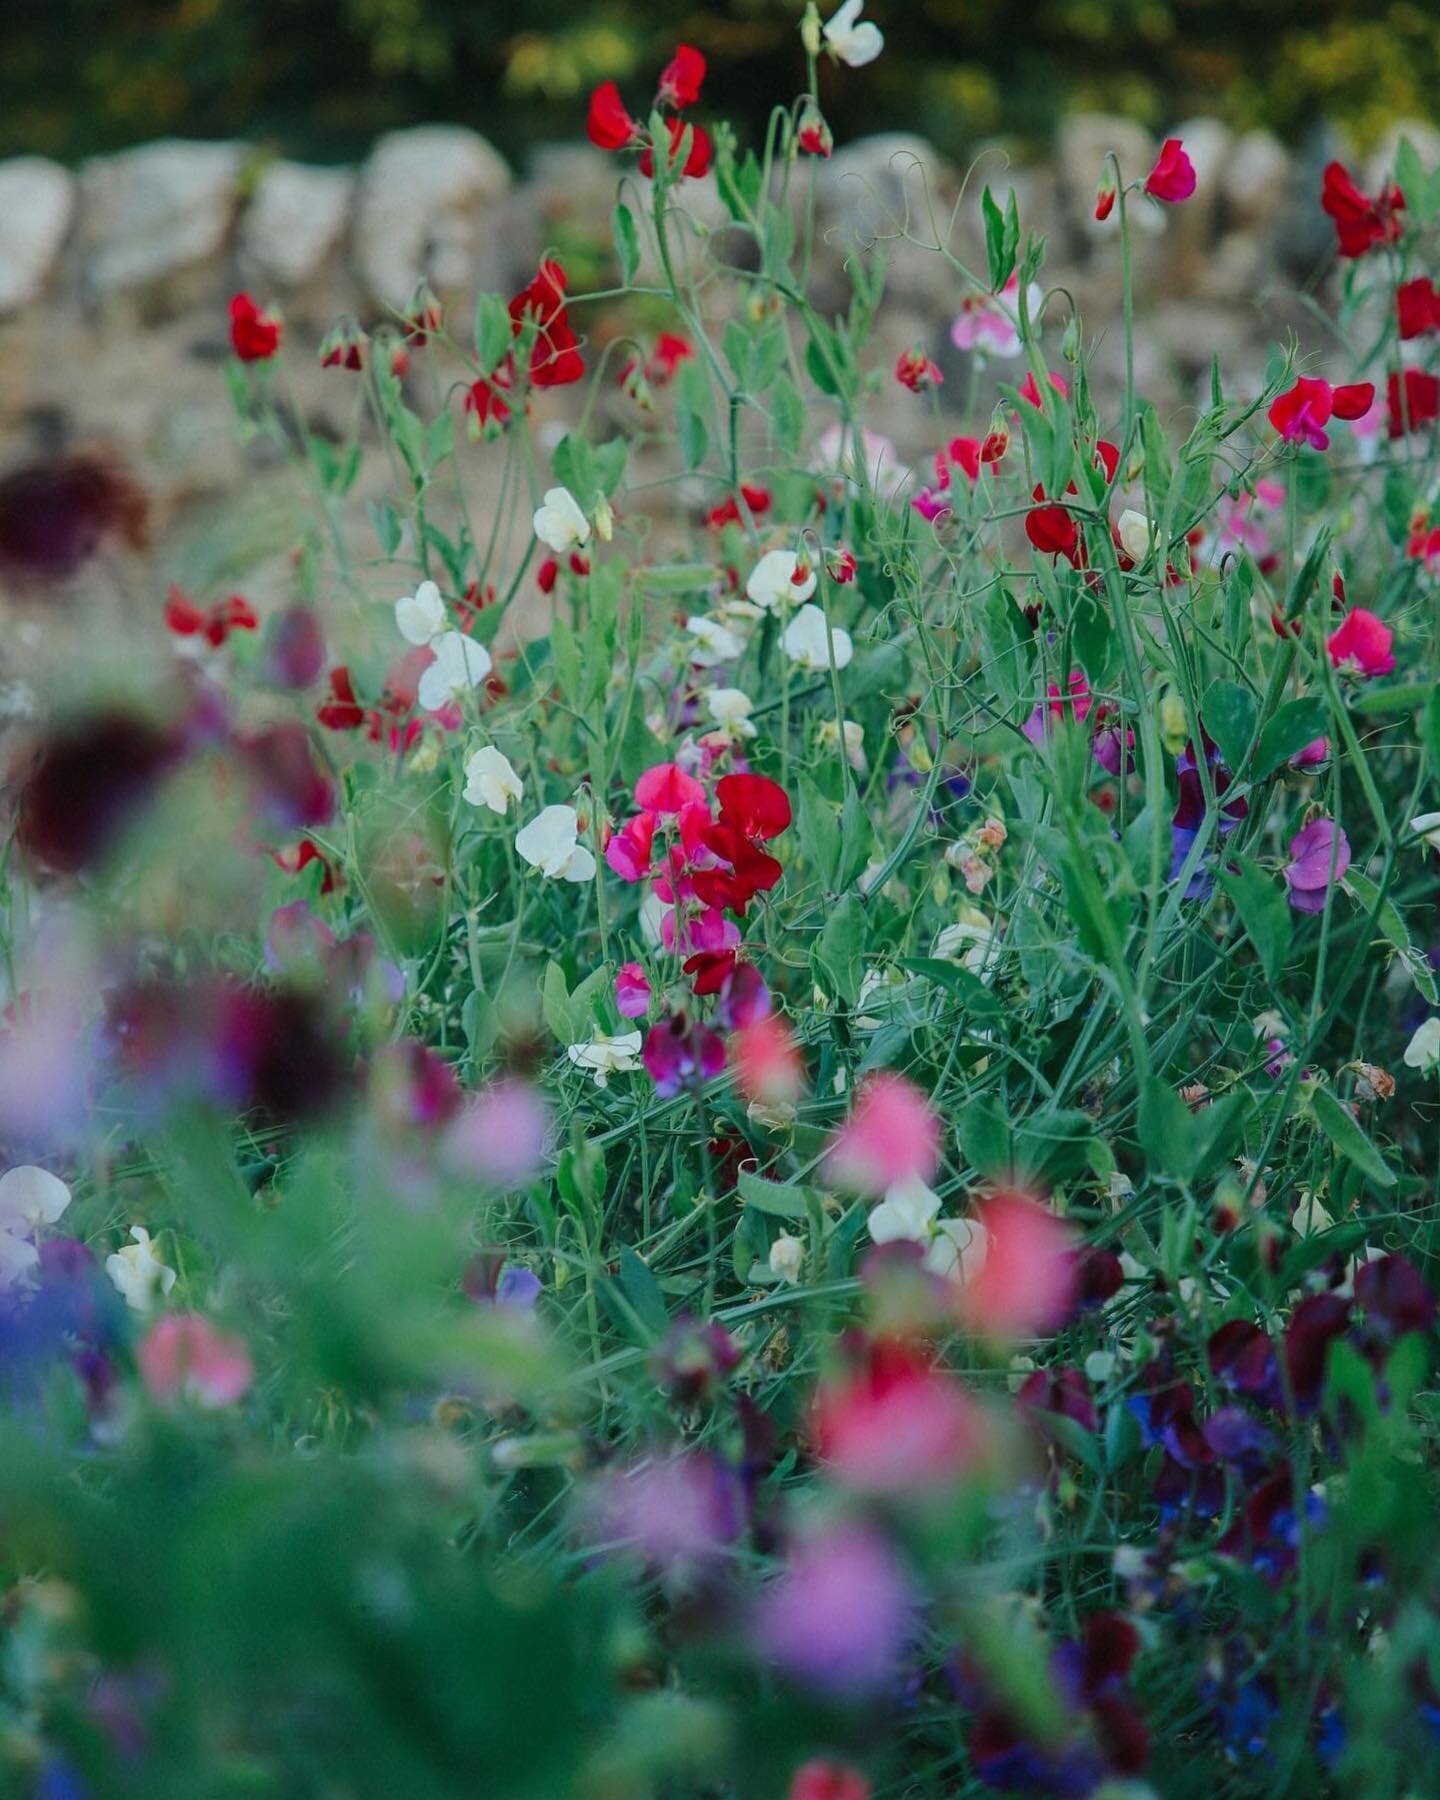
1427	826
460	664
855	41
874	459
731	710
953	1247
138	1273
787	1255
1310	1216
550	843
713	643
421	616
971	940
809	638
491	781
854	742
957	1248
29	1198
1136	534
780	578
607	1056
559	522
1423	1050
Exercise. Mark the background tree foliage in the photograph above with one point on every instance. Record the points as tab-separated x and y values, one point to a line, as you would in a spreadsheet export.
320	77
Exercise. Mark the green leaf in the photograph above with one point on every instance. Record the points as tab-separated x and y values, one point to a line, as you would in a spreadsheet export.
787	415
956	979
386	523
1264	912
817	826
555	1003
1293	726
780	1201
1166	1129
574	465
1002	238
984	1127
642	1290
494	332
692	400
627	242
1392	926
1228	714
838	956
1338	1123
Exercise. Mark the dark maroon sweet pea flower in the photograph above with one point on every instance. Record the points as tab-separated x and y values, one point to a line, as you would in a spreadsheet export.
291	787
680	1052
1313	1327
1065	1391
1236	1436
693	1359
1242	1357
744	998
1394	1296
58	511
1099	1276
88	781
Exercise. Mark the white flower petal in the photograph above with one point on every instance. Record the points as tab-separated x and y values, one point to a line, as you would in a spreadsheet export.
421	616
809	638
31	1197
559	522
491	781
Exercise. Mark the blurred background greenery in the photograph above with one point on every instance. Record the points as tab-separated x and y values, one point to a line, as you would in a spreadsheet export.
320	77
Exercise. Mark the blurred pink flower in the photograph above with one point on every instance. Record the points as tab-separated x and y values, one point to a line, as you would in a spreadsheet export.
500	1137
897	1424
185	1357
838	1619
891	1135
1025	1283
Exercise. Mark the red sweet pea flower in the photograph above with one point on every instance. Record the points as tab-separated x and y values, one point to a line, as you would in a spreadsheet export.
1031	394
555	357
757	500
1361	644
753	805
916	371
1173	177
607	124
681	78
814	137
300	856
342	711
487	412
1301	413
1051	529
254	335
1417	304
185	619
1105	198
711	969
1360	222
697	159
1415	405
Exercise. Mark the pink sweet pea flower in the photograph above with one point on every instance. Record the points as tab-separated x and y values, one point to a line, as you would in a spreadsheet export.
821	1779
632	991
1361	644
185	1357
1173	177
838	1619
500	1137
767	1062
1319	854
897	1425
667	789
628	851
891	1135
1025	1282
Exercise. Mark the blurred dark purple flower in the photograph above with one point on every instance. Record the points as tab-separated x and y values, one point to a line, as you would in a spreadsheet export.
56	512
295	648
693	1358
681	1052
87	782
291	787
1394	1296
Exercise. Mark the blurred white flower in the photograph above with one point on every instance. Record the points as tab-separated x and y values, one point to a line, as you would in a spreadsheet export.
780	579
559	522
787	1256
491	781
29	1198
607	1056
1423	1050
809	638
714	643
138	1273
421	616
854	742
550	843
460	664
855	41
731	710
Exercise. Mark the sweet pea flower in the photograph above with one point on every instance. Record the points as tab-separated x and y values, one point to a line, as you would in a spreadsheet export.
1173	177
810	640
839	1616
138	1274
550	843
254	333
730	708
714	643
421	616
986	323
780	578
491	781
1319	855
559	522
851	39
1136	534
1361	644
908	1213
1427	827
607	1056
1360	221
459	664
1025	1280
896	1425
822	1779
499	1138
30	1198
184	1357
666	788
891	1136
1423	1050
632	991
1301	413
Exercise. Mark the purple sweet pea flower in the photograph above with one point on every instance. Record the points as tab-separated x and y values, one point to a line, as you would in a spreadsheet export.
1319	855
837	1620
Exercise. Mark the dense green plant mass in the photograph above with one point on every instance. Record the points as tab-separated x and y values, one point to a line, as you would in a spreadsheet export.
754	1123
322	76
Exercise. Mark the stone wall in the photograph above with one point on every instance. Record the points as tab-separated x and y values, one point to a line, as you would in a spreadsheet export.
114	278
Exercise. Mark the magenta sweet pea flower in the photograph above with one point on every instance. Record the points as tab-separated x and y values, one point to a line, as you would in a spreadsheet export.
632	991
1361	644
1173	177
667	788
891	1135
1319	855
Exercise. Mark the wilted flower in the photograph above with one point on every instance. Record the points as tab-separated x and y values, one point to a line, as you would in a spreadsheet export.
787	1257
